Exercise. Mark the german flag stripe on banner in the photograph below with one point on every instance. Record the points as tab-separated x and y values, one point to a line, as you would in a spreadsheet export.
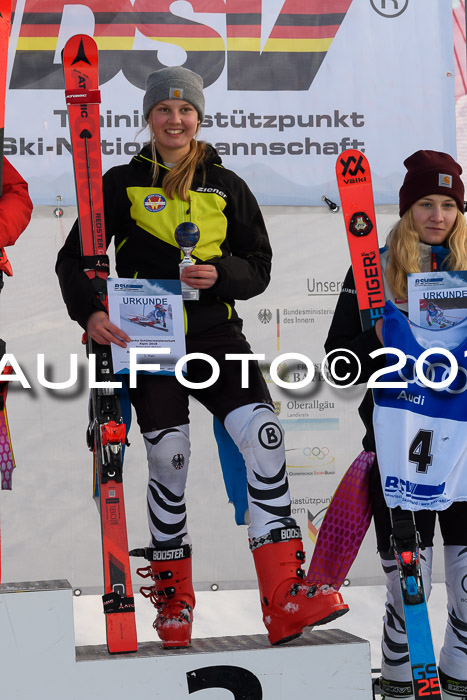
294	50
288	58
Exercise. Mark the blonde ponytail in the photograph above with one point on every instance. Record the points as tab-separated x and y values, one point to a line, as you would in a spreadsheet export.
179	178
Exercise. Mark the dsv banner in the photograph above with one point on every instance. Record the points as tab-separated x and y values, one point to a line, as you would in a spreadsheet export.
289	85
287	57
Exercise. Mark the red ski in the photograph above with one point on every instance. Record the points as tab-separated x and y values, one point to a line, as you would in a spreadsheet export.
106	432
356	193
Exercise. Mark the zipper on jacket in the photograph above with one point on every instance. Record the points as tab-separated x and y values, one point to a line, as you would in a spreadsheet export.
229	308
120	245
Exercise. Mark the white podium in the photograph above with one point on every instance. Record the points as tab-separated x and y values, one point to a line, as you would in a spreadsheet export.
38	659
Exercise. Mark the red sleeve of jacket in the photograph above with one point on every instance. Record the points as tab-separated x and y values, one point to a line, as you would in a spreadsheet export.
15	205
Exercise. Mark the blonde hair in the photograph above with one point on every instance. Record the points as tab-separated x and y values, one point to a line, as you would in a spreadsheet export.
179	178
404	251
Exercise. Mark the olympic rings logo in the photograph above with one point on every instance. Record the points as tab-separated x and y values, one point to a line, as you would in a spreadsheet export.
317	452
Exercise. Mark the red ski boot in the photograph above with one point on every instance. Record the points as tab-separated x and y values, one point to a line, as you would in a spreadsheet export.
288	601
172	593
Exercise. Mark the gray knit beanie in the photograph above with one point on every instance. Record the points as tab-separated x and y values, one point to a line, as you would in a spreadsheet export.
174	83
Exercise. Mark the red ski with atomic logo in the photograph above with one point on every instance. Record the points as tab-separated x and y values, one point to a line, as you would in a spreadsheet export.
356	193
106	432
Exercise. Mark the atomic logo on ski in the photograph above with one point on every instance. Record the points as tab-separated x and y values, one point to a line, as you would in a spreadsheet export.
81	55
360	224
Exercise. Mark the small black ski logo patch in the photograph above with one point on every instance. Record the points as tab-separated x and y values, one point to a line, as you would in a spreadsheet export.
360	224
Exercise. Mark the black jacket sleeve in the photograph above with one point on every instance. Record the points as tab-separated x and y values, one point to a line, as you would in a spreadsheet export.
244	273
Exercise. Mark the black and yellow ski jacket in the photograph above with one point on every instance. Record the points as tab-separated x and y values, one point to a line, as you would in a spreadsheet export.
141	220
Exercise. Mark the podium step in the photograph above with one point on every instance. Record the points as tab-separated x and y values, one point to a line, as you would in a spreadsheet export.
39	659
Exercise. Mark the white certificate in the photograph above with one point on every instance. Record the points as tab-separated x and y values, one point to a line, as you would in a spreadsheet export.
151	314
437	299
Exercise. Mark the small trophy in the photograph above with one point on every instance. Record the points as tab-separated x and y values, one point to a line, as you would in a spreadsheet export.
187	236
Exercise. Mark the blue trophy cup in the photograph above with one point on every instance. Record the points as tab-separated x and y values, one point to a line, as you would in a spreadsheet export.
187	236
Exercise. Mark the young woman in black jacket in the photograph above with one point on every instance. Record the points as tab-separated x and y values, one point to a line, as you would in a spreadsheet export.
177	178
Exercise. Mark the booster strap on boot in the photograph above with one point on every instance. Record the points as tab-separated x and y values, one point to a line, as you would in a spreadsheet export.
162	553
280	534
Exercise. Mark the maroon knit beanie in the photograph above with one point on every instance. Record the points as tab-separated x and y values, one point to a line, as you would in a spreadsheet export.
431	172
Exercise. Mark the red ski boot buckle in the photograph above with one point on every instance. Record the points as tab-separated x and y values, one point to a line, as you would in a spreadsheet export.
113	433
407	557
